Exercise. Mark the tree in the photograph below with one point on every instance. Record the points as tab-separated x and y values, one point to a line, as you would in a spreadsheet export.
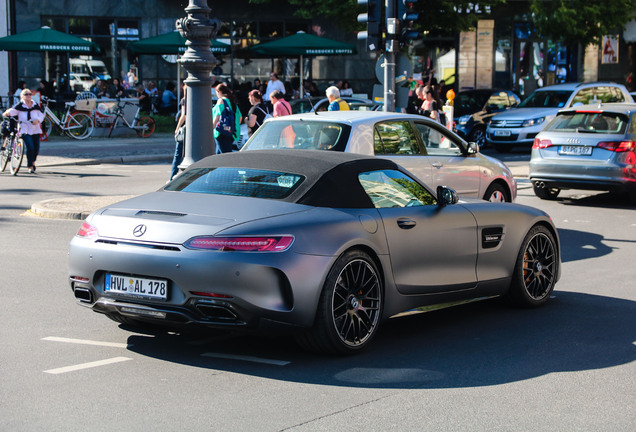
581	21
438	18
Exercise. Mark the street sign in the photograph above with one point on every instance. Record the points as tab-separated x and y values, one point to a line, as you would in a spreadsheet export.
403	67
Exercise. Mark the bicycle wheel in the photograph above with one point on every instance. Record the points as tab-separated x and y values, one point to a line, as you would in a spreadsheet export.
113	125
16	155
79	126
145	127
5	154
47	128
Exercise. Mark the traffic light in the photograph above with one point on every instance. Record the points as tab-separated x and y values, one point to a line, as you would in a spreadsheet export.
407	14
373	19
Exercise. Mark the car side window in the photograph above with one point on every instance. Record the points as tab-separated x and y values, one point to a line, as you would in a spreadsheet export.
603	94
392	188
436	142
498	101
632	125
395	138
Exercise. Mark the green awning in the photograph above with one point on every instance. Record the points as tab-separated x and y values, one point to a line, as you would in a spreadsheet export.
302	44
47	39
171	43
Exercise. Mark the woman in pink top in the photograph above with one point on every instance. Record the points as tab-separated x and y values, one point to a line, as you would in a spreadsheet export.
282	108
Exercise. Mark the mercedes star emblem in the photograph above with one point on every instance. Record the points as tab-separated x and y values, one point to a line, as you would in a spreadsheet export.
139	230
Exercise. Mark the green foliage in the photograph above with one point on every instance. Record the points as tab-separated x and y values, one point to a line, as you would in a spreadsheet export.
581	21
438	18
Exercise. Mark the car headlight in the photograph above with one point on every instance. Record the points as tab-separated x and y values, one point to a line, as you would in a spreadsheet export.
463	119
533	122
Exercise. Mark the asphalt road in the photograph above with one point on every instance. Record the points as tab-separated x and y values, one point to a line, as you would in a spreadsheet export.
480	367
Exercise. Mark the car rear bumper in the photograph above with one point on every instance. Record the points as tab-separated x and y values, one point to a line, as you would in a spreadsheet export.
592	175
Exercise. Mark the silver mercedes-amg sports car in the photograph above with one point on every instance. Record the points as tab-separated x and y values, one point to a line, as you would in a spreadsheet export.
329	244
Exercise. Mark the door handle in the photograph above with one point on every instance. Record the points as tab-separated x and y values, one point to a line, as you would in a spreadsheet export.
406	223
437	164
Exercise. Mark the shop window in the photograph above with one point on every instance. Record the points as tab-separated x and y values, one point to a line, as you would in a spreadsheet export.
79	26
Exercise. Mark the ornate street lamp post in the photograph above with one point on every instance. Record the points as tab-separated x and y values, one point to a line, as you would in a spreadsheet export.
198	61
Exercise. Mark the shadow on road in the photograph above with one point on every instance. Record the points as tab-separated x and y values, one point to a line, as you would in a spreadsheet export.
481	344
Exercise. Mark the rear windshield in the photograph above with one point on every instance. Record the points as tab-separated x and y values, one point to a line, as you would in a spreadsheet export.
300	134
237	181
546	99
589	122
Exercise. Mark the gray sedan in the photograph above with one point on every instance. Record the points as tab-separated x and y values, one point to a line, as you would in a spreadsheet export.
325	243
434	154
587	147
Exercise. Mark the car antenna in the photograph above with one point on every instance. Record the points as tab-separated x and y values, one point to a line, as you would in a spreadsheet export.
310	104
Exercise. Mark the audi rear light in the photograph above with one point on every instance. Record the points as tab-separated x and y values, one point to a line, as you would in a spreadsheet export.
241	244
541	143
87	230
618	146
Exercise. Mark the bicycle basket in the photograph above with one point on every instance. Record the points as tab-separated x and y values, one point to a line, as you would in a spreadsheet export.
8	127
86	101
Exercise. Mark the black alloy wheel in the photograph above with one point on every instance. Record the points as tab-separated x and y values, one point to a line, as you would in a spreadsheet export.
349	309
536	268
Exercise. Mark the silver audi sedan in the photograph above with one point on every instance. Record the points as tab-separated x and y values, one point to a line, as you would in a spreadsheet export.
437	156
590	147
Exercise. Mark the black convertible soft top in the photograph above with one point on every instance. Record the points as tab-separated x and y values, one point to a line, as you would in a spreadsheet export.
331	178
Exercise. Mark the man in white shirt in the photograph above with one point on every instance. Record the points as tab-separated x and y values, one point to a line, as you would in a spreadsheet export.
273	84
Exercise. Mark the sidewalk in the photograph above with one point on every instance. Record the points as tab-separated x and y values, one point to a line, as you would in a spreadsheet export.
60	151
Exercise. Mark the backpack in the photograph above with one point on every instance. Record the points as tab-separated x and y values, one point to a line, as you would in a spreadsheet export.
267	114
227	123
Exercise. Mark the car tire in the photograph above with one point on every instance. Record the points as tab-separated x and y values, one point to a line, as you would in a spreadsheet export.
478	136
503	148
536	269
497	193
545	193
349	308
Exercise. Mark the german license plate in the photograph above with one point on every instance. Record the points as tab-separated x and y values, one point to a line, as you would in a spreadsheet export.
502	133
575	150
136	287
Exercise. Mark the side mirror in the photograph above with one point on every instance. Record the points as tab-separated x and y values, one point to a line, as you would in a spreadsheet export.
472	148
446	195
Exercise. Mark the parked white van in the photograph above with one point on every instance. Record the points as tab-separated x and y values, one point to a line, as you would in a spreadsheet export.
95	68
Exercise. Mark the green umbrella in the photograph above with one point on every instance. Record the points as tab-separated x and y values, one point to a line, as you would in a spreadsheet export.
47	39
302	44
171	43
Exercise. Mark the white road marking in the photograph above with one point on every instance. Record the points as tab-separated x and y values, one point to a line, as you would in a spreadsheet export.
247	358
86	342
87	365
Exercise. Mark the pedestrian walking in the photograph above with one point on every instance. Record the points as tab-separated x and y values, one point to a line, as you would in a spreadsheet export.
179	137
226	119
30	116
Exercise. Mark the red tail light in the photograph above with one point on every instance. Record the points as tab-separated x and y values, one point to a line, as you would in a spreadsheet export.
618	146
241	244
87	230
541	143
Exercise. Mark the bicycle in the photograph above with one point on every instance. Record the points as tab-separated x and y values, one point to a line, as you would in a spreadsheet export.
144	126
75	124
12	146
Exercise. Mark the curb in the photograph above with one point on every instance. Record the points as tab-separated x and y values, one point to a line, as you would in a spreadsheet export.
110	160
73	208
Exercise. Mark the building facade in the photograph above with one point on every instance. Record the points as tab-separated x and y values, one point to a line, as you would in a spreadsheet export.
503	51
